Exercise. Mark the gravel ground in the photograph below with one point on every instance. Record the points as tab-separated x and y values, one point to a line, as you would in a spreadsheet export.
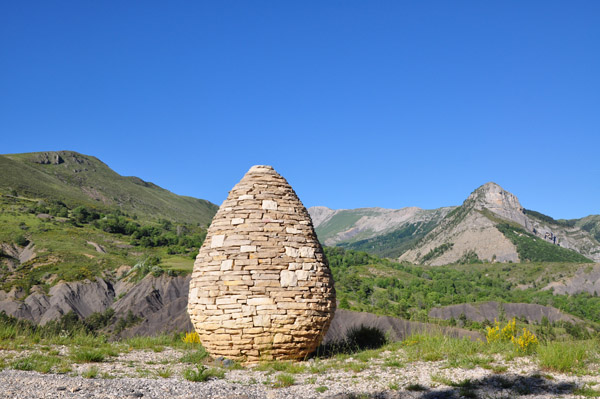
136	374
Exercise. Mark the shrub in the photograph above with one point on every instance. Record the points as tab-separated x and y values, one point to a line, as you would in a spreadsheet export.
125	322
501	334
365	337
92	372
526	342
21	240
195	357
98	320
284	380
191	338
165	372
88	355
202	373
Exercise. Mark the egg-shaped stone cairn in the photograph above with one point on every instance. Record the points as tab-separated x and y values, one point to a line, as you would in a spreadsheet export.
261	288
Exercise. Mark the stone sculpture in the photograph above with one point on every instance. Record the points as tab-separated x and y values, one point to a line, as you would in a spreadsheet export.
261	288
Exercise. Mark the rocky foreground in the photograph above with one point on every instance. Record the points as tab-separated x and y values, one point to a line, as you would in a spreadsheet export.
148	374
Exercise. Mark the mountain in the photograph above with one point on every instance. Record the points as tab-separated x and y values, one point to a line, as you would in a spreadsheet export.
490	225
383	232
76	179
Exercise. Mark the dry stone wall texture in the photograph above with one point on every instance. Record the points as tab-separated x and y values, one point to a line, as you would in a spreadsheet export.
261	288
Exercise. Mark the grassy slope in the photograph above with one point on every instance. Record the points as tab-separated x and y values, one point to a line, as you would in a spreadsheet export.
85	180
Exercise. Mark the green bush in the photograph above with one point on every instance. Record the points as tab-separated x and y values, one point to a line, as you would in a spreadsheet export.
21	240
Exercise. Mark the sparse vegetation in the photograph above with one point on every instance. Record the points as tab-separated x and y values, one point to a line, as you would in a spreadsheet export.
415	387
282	366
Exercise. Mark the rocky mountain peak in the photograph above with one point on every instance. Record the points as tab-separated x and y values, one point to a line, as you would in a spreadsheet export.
320	214
494	198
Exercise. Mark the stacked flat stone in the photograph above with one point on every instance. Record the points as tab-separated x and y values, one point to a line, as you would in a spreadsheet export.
261	288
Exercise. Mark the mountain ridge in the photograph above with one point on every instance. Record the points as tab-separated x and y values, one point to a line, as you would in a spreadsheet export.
78	179
491	225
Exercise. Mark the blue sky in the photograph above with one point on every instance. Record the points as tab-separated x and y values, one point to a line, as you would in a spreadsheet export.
356	103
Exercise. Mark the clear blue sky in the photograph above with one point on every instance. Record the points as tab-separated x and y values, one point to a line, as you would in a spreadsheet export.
356	103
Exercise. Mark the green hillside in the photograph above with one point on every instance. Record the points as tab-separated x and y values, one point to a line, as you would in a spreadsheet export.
367	283
68	216
43	244
77	179
393	244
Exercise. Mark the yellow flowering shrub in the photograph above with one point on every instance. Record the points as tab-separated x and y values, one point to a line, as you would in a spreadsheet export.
493	333
191	338
526	342
501	334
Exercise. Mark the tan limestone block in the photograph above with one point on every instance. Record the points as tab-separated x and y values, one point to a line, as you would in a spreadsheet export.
217	241
260	301
288	278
